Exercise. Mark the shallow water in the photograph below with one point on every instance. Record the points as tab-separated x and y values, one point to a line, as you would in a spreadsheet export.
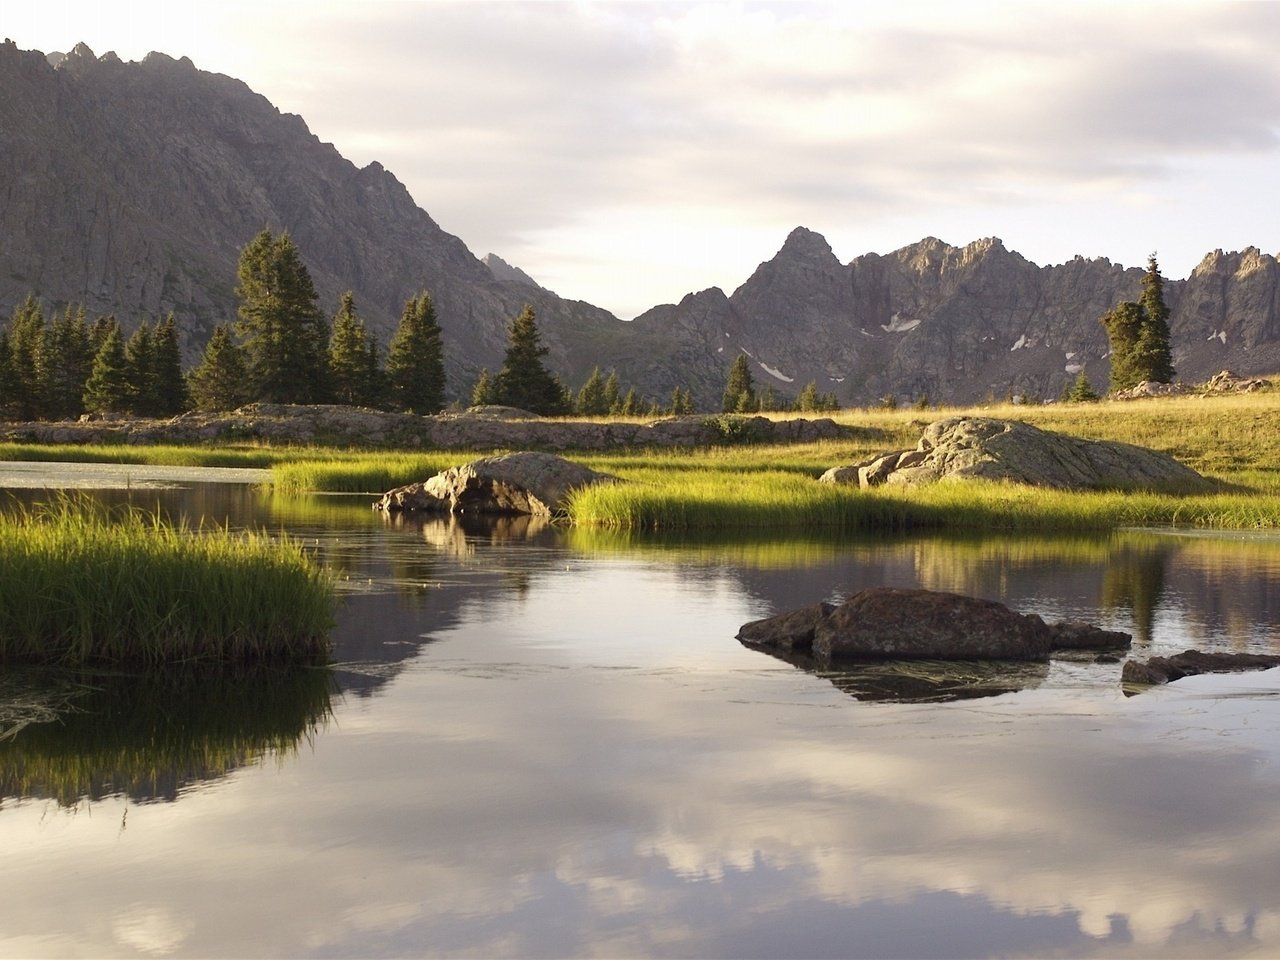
540	742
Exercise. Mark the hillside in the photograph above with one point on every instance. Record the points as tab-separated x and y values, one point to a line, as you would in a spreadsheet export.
132	187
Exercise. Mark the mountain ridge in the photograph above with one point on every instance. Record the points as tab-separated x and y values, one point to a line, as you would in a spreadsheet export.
132	187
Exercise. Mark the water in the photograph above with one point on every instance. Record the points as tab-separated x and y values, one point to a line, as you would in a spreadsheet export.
540	742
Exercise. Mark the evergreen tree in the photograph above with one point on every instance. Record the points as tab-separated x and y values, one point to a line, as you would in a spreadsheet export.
1081	391
26	343
681	402
98	332
166	369
139	354
286	335
1154	356
807	401
353	357
630	404
108	389
65	362
524	381
769	400
8	392
739	391
612	392
482	394
591	400
1124	327
219	381
415	359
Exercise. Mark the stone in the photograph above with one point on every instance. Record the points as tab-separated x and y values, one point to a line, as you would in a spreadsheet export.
890	623
1189	663
522	483
990	449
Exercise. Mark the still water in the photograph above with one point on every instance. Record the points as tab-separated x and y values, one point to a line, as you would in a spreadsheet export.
539	742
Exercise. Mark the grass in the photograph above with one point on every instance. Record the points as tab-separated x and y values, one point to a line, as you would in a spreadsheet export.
80	584
363	473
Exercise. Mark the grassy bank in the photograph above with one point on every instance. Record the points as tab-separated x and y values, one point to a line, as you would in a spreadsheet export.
82	585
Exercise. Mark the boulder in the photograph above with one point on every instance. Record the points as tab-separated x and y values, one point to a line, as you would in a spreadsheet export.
889	623
1010	450
527	482
1189	663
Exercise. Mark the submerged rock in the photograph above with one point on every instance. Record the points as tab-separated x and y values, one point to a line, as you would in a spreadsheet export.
888	623
1011	450
525	482
1189	663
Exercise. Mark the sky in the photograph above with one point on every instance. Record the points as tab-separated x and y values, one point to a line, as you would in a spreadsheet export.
629	153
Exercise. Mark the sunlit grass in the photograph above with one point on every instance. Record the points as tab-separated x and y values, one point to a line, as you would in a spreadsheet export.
80	584
364	473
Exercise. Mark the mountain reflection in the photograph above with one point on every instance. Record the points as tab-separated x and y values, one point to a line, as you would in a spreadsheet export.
90	736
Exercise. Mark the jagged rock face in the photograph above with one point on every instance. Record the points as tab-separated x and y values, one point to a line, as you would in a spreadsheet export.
132	187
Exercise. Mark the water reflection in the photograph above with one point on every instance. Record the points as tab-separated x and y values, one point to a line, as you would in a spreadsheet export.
548	742
86	736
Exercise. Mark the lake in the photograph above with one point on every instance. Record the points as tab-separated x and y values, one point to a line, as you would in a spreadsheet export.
540	742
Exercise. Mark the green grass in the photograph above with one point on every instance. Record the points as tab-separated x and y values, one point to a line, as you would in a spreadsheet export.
80	584
360	473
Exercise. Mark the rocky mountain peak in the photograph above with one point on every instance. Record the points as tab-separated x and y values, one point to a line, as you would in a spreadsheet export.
506	273
804	244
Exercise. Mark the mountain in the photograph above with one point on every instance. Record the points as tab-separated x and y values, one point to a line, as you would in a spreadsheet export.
959	324
132	187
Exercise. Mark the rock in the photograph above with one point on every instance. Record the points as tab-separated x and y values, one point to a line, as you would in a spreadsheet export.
992	449
526	482
1227	382
1189	663
1151	388
888	623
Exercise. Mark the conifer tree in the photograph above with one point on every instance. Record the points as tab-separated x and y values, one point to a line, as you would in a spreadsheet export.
1124	327
629	406
8	393
524	381
353	357
739	391
807	401
108	389
65	362
415	359
1081	391
612	392
482	394
1154	356
681	402
26	342
591	401
286	334
219	381
139	354
170	385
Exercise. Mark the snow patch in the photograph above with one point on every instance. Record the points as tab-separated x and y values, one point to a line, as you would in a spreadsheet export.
863	331
776	373
1070	354
1022	342
719	349
897	325
1220	335
1074	367
836	379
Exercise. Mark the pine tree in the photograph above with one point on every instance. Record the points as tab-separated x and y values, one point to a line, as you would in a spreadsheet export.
26	343
524	381
482	394
139	354
219	381
108	389
1154	357
739	391
807	401
170	385
286	335
415	359
681	402
612	392
353	357
65	362
8	392
1124	327
1082	391
630	404
591	400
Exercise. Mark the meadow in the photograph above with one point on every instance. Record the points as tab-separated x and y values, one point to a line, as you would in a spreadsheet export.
87	585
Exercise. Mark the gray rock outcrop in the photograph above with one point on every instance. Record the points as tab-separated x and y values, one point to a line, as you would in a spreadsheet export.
1190	663
483	428
980	447
888	623
527	482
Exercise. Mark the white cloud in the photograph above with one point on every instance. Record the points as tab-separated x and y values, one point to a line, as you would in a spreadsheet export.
609	149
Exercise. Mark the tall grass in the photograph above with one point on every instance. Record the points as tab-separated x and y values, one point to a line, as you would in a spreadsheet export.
363	473
80	584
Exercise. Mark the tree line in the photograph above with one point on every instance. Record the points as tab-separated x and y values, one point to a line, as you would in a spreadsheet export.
282	348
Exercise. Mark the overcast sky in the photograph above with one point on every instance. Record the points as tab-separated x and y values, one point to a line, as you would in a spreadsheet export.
628	153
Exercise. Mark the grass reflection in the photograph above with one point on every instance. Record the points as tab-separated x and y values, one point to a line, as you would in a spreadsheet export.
70	737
